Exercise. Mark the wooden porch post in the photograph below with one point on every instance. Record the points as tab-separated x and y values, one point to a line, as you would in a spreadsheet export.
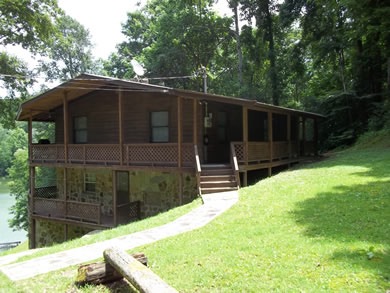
315	138
304	135
195	122
270	139
66	125
65	195
245	140
289	136
30	137
179	143
32	227
115	195
120	121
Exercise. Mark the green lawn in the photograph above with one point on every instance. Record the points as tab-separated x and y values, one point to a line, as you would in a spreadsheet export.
323	227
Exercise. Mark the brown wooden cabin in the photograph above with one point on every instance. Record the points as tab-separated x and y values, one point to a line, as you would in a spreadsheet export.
123	150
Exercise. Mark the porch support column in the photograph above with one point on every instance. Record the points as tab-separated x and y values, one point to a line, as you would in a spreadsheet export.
66	125
115	196
120	122
271	144
315	138
179	144
289	136
31	226
245	141
65	195
304	136
30	138
195	122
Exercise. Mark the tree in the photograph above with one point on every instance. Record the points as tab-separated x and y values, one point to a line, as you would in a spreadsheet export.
18	185
14	83
173	39
11	141
29	24
70	51
263	12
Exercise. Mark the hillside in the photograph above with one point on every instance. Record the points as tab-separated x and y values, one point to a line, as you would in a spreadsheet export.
321	227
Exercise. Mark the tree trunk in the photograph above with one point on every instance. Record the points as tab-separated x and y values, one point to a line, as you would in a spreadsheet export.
101	273
138	275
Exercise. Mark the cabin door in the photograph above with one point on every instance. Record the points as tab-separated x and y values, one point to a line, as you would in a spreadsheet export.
122	188
216	139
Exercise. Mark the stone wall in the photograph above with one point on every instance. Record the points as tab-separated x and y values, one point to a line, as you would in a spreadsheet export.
48	233
159	191
102	195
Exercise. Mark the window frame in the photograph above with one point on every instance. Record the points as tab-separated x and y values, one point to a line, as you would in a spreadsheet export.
77	131
159	126
89	181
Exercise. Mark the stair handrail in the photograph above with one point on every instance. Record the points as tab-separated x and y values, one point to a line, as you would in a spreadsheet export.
235	164
198	168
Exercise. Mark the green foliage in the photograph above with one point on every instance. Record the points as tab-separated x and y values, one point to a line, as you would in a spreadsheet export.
70	51
11	141
19	186
27	23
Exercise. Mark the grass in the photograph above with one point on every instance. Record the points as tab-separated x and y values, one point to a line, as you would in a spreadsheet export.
323	227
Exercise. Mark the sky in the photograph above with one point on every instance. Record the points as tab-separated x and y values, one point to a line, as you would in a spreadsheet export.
103	19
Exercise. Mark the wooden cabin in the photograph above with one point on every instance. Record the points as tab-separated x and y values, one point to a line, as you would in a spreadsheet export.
118	150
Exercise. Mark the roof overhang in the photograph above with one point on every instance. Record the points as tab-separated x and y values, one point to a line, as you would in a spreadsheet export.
40	107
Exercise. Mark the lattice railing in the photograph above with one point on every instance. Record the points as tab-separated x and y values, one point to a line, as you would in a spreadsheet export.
85	212
239	148
49	207
94	153
158	154
61	209
43	153
128	212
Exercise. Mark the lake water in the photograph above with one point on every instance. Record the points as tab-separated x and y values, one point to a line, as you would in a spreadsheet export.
6	233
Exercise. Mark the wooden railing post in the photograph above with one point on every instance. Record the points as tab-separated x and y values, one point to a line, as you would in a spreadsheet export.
198	169
235	164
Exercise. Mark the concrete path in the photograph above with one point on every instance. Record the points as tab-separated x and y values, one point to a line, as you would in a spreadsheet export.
214	205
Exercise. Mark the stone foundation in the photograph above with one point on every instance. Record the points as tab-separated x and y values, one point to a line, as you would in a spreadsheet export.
48	233
157	192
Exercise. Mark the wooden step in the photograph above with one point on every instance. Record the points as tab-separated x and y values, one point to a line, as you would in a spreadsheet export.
217	184
217	189
217	178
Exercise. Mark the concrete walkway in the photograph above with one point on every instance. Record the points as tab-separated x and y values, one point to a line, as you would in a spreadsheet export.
214	205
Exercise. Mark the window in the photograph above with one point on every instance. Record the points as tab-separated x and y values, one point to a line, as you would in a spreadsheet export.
80	129
89	182
159	126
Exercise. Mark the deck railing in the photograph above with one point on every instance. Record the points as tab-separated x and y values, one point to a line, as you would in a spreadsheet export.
61	209
158	154
260	152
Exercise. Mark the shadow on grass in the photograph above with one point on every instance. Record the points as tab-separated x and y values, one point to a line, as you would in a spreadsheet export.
357	213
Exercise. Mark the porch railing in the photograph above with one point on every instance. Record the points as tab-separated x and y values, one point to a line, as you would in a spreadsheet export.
198	168
259	152
235	164
159	154
61	209
128	212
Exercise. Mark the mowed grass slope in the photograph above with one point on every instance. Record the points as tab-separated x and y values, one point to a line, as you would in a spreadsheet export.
323	227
